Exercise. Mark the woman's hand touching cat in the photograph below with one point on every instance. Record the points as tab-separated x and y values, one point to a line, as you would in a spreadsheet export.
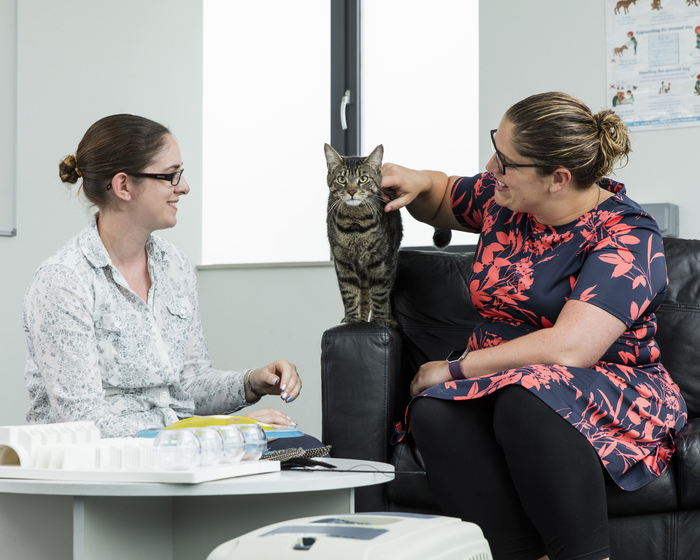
403	184
426	193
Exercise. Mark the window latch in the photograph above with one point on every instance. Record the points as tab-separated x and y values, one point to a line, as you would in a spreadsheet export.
344	102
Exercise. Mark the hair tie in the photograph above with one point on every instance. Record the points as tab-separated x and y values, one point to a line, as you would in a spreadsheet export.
77	171
597	122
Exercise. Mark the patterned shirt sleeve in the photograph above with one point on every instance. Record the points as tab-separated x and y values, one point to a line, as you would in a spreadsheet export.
469	198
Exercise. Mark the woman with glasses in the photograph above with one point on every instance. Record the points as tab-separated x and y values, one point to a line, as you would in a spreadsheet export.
112	319
560	388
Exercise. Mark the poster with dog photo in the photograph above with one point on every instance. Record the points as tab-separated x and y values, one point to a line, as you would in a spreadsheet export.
653	62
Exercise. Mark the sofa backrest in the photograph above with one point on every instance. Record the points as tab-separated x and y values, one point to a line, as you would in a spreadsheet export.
431	303
678	319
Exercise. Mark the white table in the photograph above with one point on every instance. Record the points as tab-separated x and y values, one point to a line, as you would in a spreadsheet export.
44	519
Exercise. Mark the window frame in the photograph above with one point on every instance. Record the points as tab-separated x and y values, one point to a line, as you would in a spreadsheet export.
346	75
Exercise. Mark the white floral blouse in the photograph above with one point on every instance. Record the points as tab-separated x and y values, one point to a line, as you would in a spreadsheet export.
96	351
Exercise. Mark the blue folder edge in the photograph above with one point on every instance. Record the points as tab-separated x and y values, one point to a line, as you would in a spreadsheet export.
271	434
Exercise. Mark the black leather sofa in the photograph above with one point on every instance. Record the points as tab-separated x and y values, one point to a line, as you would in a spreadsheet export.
366	370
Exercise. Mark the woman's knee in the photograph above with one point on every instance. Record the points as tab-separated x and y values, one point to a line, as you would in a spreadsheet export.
517	411
515	404
426	415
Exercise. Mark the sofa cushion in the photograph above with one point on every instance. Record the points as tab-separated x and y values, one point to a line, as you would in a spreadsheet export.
687	461
662	536
431	302
656	497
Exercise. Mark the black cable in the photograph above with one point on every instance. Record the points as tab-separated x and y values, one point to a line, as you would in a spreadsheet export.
353	470
314	464
377	472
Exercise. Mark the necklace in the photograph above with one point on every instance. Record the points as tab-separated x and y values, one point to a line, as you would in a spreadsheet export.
600	192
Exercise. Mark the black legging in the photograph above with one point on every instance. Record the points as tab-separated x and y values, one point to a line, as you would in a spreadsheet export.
513	466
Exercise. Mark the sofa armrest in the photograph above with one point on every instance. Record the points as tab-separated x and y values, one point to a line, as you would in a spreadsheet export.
359	370
688	464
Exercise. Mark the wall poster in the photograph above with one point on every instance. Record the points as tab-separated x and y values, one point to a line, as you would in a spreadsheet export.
653	68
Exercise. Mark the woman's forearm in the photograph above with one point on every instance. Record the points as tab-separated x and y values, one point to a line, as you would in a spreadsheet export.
581	335
426	206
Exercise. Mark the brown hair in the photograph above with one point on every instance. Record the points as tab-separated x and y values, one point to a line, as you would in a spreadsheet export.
113	144
557	130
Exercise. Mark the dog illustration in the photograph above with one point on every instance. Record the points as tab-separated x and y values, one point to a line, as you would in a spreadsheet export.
619	51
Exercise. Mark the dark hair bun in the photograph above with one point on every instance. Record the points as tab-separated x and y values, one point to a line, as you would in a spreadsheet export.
68	170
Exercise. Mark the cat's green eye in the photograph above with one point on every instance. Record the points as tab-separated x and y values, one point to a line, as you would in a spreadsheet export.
364	179
341	179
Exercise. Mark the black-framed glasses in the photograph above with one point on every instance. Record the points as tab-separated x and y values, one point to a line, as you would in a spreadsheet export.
174	178
502	162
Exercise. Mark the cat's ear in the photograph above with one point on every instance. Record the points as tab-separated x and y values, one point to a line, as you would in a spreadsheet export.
333	158
375	158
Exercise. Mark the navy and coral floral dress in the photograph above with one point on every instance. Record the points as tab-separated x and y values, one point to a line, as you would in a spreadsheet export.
626	404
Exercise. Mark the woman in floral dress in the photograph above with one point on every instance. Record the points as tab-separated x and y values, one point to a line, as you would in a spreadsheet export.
561	385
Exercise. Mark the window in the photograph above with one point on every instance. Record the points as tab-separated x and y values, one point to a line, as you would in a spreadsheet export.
268	71
420	82
266	118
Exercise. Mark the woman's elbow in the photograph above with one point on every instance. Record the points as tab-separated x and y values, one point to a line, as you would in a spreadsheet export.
578	356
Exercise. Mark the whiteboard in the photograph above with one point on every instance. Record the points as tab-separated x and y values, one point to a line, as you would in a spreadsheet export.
8	119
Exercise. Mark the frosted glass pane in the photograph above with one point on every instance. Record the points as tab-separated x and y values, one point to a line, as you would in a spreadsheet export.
266	117
420	90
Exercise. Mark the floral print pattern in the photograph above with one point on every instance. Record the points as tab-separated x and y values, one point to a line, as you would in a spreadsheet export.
626	404
96	351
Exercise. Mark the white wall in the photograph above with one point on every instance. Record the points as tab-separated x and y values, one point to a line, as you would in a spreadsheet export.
82	59
257	315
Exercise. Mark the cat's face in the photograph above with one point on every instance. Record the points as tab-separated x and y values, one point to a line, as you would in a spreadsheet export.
355	180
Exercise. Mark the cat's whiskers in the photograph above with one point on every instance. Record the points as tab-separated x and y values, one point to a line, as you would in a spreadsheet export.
334	209
370	203
376	203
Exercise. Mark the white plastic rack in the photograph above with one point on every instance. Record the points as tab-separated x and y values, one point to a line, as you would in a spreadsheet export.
74	451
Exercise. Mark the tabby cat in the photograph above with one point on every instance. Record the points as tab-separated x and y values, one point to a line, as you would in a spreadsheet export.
364	239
